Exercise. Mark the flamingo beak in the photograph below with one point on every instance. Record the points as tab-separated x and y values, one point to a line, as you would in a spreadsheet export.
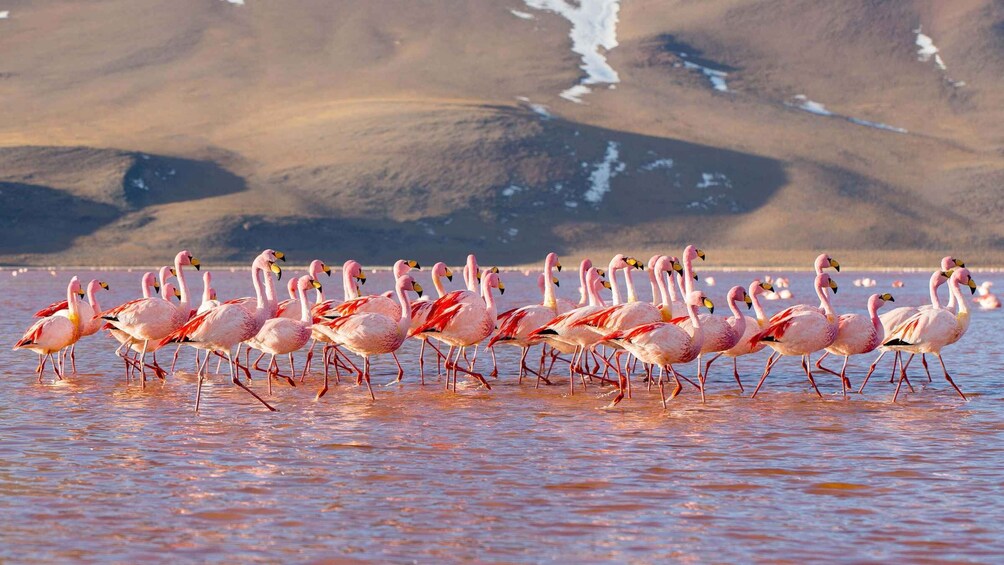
501	288
177	294
601	272
972	286
835	265
414	265
317	284
606	285
767	286
156	286
555	281
173	272
678	267
212	294
709	305
326	269
494	270
81	293
103	285
276	269
888	297
959	263
833	286
449	275
361	277
417	288
701	255
748	300
195	262
558	266
280	256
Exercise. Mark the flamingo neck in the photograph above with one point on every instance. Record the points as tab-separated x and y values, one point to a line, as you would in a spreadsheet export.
761	316
584	291
256	272
660	283
206	290
631	296
73	305
550	300
404	324
935	283
824	301
348	288
671	287
270	295
182	285
688	275
654	286
614	287
437	282
486	294
873	307
304	307
92	298
738	320
694	318
960	301
471	273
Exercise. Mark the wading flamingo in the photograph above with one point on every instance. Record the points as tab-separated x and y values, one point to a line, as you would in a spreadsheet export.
54	333
291	308
283	336
722	334
90	322
368	333
856	334
664	344
753	327
209	300
420	313
801	331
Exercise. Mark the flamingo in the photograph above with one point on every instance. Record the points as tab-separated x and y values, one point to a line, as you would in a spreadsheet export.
352	272
721	334
420	312
987	299
369	333
229	325
584	287
516	325
664	344
856	334
930	330
801	331
461	319
564	329
377	303
283	336
753	327
153	319
209	300
90	323
56	332
130	344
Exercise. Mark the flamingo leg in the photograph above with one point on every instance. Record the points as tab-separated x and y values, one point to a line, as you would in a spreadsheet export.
400	370
522	364
73	358
679	386
707	367
306	363
949	378
923	361
237	381
806	364
735	373
324	389
871	370
201	372
902	376
421	361
662	387
366	377
766	371
495	366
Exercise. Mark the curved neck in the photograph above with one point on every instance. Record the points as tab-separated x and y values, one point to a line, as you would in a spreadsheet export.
873	315
73	304
738	320
631	297
660	283
688	276
93	298
437	282
182	285
671	287
304	307
486	293
404	324
584	292
206	289
654	286
757	307
256	272
824	300
694	318
471	274
550	300
614	287
960	301
146	290
934	291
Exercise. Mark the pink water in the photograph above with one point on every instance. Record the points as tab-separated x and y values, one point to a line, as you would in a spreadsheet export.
93	468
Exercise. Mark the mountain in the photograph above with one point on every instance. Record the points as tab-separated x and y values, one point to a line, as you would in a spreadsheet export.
760	130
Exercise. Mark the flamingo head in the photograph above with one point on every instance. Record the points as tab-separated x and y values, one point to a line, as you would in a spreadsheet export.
353	270
94	285
551	261
169	291
697	299
75	288
150	279
948	263
962	277
824	281
407	282
317	267
757	287
185	259
306	282
492	280
738	293
441	270
824	261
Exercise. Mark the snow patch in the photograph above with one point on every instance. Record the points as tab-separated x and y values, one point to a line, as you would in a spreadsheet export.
928	49
709	180
571	204
658	164
605	170
522	15
140	184
594	26
876	125
512	232
236	2
539	109
4	14
717	78
512	190
803	102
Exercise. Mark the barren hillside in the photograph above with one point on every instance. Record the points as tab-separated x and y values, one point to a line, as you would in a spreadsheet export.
762	130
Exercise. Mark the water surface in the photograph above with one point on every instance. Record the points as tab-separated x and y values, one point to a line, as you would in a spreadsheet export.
94	468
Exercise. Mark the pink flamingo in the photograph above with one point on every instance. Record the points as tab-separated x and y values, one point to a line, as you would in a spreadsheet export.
368	333
461	319
856	334
516	325
753	327
129	344
54	333
802	332
152	319
932	329
223	328
722	334
664	344
90	323
564	330
420	312
352	272
283	336
376	303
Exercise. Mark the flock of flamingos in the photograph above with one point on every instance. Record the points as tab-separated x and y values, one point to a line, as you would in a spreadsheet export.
600	343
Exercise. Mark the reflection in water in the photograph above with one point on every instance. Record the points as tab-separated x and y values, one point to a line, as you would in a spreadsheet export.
93	468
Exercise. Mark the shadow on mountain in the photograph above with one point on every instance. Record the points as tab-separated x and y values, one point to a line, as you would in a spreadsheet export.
157	179
39	219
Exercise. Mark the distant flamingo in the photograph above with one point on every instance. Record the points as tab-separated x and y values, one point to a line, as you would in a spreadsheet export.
225	327
931	330
209	300
801	331
461	319
368	334
153	319
753	327
54	333
856	334
664	344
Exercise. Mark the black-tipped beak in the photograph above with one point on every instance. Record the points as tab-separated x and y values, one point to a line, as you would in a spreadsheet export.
558	266
280	256
156	287
327	270
701	255
81	293
103	285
